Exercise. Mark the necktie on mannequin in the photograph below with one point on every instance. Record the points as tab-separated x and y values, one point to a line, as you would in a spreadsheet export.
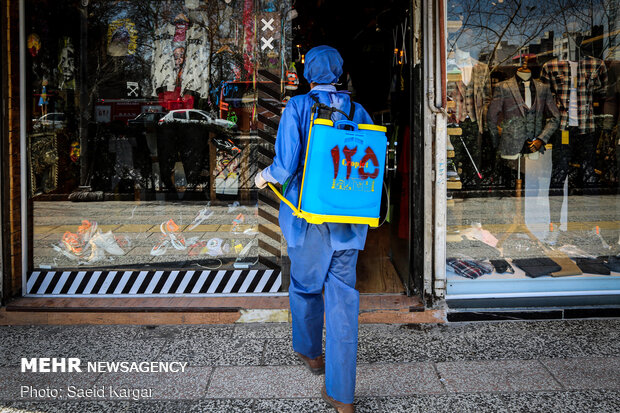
528	94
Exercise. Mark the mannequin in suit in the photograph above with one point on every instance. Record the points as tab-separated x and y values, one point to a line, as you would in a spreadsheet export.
522	104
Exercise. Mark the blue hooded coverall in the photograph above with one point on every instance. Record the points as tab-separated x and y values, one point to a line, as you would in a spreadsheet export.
322	256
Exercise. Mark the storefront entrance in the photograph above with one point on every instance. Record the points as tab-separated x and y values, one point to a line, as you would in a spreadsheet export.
147	122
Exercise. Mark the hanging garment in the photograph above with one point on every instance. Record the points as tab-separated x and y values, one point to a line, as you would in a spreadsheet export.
591	78
194	76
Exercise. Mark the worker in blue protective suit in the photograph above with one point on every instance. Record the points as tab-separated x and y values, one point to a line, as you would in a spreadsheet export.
322	256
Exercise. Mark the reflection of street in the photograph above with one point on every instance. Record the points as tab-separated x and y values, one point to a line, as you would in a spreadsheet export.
140	234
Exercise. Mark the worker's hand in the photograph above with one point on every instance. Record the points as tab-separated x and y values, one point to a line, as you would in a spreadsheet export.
535	145
259	181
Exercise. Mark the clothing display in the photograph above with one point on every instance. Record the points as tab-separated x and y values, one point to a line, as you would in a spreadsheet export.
592	266
537	267
471	94
571	146
573	107
613	263
502	266
180	57
612	99
520	123
469	268
591	78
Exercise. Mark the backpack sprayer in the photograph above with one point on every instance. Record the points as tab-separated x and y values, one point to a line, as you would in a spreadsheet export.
342	179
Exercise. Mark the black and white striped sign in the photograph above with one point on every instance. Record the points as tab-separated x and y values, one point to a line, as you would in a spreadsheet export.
119	283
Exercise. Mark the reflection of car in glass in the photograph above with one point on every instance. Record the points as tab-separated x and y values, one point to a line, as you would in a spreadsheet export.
55	120
195	116
146	119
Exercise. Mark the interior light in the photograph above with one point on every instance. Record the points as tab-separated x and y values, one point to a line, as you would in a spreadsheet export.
303	59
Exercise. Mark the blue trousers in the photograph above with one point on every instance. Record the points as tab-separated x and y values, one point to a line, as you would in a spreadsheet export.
316	266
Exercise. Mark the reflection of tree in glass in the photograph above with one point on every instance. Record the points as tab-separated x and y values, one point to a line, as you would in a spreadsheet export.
497	31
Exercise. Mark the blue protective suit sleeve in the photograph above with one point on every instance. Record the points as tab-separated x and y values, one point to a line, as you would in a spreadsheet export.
288	146
267	176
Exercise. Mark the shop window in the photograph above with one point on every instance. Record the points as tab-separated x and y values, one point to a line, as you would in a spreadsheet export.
113	182
533	146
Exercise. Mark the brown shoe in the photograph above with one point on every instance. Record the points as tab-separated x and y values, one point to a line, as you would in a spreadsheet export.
316	365
340	407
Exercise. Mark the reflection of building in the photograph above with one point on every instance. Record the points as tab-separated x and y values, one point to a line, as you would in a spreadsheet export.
574	44
503	53
542	48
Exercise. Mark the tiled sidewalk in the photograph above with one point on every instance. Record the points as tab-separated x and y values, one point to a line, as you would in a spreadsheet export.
559	366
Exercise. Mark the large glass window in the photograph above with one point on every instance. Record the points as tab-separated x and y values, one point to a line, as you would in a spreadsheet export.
148	121
143	138
533	146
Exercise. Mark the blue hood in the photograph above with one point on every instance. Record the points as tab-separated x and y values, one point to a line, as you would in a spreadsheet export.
323	65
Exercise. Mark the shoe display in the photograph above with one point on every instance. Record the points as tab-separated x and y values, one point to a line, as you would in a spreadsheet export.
161	247
64	252
171	229
203	215
216	247
236	223
72	243
107	242
196	248
87	230
96	253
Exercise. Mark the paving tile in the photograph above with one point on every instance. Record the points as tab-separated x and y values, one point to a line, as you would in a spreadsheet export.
214	352
15	335
586	373
190	332
600	401
12	351
413	348
263	382
114	349
281	405
95	332
194	406
12	382
496	376
263	330
518	340
400	379
280	353
87	348
443	403
65	407
189	384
